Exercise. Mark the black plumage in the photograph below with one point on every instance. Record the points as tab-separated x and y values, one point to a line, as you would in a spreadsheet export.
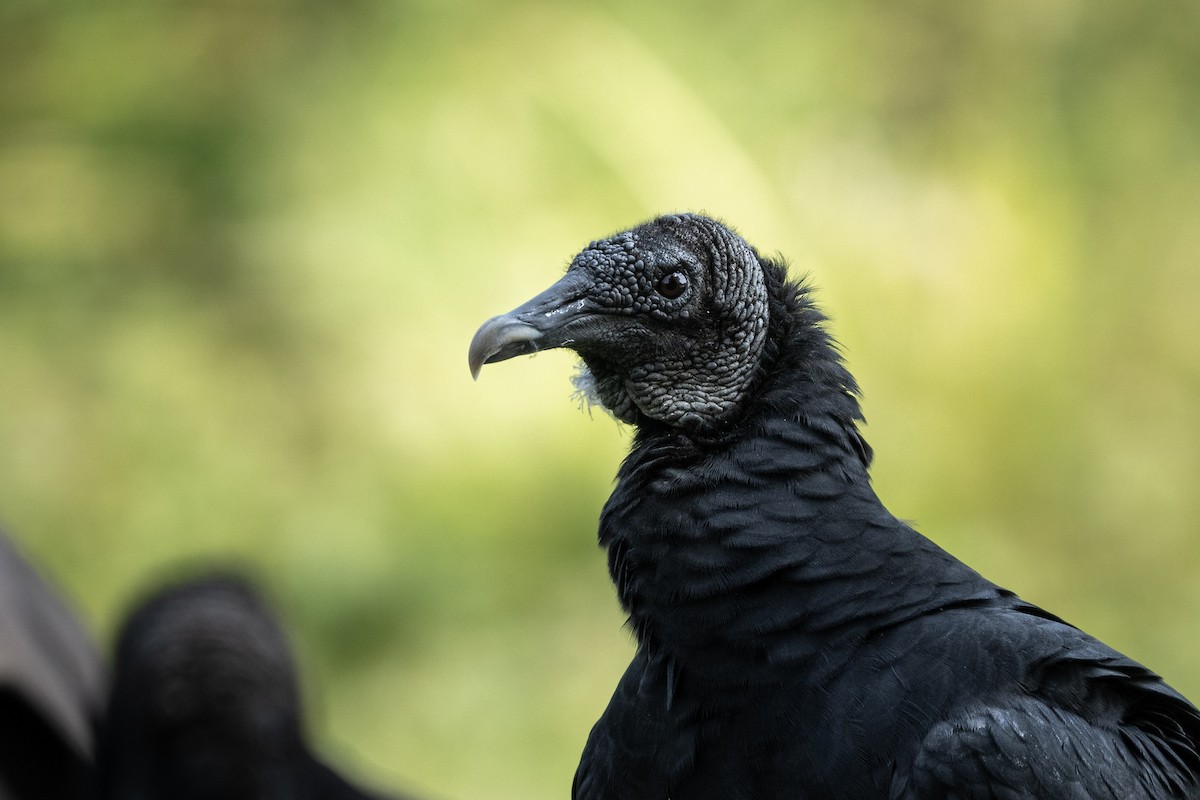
51	687
794	638
205	704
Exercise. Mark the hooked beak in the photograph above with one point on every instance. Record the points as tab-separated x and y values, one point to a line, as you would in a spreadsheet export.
539	324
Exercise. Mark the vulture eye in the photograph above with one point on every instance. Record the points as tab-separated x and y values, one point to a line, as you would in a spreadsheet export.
672	285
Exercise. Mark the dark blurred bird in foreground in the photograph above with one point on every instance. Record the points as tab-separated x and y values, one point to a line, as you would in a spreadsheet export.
794	638
51	687
205	704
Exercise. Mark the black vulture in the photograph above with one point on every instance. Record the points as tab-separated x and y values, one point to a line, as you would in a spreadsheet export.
51	687
794	639
205	704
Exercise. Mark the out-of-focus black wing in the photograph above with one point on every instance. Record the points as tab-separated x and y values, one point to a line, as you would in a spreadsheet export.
50	686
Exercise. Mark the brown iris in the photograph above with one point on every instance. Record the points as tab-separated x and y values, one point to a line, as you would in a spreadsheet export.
672	285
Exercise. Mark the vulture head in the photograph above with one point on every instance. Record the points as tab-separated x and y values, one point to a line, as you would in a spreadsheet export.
205	701
670	319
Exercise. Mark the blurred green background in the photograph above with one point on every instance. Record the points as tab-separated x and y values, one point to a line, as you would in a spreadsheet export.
244	245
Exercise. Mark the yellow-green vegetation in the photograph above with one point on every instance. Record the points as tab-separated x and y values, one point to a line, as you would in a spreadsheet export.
243	248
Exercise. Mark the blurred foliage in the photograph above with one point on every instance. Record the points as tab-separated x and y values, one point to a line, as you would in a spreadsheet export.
243	247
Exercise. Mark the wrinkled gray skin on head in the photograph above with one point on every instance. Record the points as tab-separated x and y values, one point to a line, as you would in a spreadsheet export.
685	360
692	368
